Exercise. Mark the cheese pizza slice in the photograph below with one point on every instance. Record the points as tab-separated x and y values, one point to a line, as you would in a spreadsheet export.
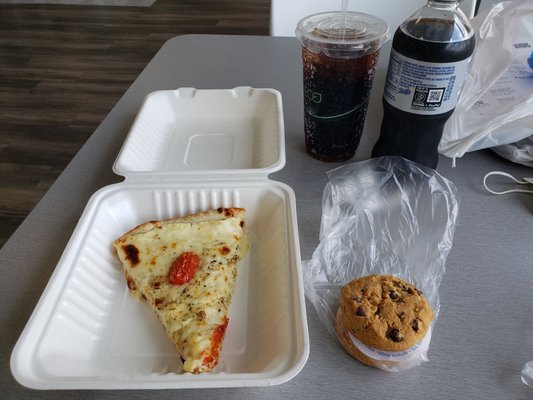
185	269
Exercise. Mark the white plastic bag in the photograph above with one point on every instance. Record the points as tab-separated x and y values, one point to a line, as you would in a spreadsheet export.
496	104
520	152
381	216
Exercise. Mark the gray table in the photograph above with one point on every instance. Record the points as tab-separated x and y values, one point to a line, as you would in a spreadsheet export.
484	334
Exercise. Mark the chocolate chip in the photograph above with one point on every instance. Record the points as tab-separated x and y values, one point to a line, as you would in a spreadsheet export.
408	289
393	295
360	312
415	325
357	299
401	315
394	335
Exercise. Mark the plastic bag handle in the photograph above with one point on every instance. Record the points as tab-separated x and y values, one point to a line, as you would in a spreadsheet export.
523	182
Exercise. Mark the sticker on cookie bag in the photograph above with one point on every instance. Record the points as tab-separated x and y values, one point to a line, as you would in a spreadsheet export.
382	355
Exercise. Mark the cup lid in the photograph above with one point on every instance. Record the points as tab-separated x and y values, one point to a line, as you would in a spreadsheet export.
349	31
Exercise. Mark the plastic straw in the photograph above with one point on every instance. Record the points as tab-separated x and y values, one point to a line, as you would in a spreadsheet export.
344	9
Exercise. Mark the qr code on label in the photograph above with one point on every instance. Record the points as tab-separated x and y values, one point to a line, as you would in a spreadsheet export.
435	95
427	99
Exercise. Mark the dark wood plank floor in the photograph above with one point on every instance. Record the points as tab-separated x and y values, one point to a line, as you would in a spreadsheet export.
62	69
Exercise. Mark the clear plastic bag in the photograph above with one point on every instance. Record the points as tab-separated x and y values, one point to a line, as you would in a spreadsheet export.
496	103
527	373
387	216
520	152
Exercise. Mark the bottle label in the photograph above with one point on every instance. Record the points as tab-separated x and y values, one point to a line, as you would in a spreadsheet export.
425	88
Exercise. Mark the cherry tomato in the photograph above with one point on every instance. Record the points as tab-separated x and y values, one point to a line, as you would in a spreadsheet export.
183	268
216	344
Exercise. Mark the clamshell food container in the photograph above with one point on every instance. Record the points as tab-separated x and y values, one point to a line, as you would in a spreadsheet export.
187	151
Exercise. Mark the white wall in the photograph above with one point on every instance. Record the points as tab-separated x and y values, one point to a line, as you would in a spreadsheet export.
285	14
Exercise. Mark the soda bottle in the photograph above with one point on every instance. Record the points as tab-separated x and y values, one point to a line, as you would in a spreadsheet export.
427	67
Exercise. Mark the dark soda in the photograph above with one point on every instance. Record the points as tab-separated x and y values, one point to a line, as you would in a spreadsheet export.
415	133
336	94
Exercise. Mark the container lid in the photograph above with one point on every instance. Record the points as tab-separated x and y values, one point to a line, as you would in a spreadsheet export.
191	133
350	31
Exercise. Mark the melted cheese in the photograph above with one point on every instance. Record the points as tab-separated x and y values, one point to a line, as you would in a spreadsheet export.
190	313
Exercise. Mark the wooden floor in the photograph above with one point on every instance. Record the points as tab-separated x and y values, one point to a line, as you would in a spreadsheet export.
62	69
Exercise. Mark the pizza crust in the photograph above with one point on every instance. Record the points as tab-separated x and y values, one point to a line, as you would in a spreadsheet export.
215	214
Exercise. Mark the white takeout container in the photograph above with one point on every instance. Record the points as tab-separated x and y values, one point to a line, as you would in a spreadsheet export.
188	150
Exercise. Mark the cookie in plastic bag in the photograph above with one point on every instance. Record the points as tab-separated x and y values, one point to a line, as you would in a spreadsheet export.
384	216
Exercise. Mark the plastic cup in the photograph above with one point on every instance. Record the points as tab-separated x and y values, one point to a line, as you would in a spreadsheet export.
340	52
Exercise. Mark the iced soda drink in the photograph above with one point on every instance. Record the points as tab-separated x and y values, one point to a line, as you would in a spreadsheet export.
339	53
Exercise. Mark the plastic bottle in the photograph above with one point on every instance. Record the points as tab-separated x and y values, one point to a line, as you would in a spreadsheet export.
427	67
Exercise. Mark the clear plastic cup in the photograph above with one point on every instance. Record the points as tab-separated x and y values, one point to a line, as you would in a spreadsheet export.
340	52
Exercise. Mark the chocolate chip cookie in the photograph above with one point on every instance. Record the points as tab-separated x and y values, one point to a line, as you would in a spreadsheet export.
347	342
384	312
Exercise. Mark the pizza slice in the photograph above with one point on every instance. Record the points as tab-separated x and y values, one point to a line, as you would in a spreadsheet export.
185	269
